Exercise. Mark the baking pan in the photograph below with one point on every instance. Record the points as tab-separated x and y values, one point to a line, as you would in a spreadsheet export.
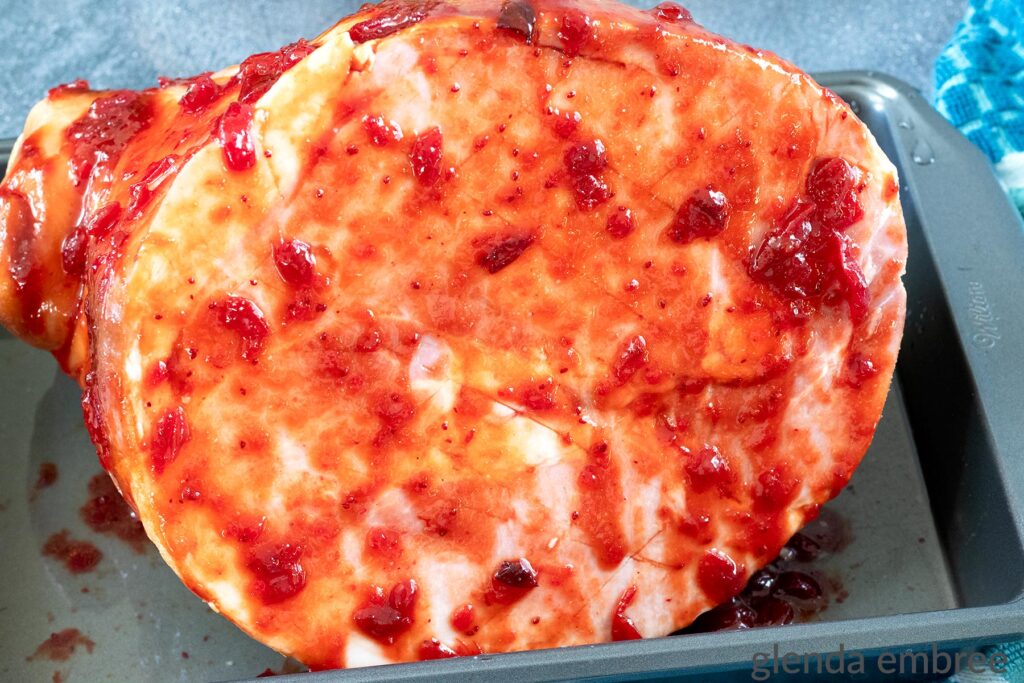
936	511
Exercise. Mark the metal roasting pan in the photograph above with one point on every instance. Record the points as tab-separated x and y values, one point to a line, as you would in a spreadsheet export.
936	511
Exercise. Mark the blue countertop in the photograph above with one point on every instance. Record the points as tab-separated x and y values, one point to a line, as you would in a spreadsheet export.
126	43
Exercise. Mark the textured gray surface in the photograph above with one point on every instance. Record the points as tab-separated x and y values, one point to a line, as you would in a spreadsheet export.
127	43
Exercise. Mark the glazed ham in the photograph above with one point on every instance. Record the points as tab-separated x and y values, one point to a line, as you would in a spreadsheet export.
465	327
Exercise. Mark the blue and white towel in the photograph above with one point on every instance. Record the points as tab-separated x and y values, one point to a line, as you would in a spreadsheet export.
979	86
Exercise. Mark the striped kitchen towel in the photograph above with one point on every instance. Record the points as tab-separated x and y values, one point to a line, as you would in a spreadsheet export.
979	86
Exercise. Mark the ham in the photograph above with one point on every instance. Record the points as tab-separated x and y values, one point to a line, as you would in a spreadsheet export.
465	327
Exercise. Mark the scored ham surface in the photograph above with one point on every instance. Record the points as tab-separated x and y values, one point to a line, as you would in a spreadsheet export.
465	327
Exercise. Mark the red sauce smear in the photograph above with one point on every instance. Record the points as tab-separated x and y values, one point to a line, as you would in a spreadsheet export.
170	434
382	131
576	32
244	318
497	252
23	265
295	262
102	133
77	85
601	503
623	627
201	93
788	589
621	223
584	163
708	468
426	156
61	645
96	225
463	621
278	571
511	582
702	215
78	556
391	17
806	258
47	478
142	192
670	11
435	649
633	356
259	72
106	512
92	413
385	617
234	131
719	576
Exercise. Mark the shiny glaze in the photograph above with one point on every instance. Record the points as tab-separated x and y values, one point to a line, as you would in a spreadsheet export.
413	342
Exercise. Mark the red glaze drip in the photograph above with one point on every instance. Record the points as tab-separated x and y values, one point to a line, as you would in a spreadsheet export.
462	620
703	215
381	131
384	618
708	468
102	133
78	556
500	251
259	72
295	262
61	645
47	477
513	580
832	185
621	223
92	411
576	32
567	123
623	627
426	156
106	512
584	163
74	248
435	649
78	85
859	369
234	131
384	543
631	358
170	434
601	498
245	532
787	589
718	576
774	490
806	257
394	412
244	318
670	11
142	192
23	266
391	16
538	396
202	92
277	571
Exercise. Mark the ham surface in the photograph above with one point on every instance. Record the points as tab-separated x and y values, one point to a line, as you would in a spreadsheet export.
465	327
